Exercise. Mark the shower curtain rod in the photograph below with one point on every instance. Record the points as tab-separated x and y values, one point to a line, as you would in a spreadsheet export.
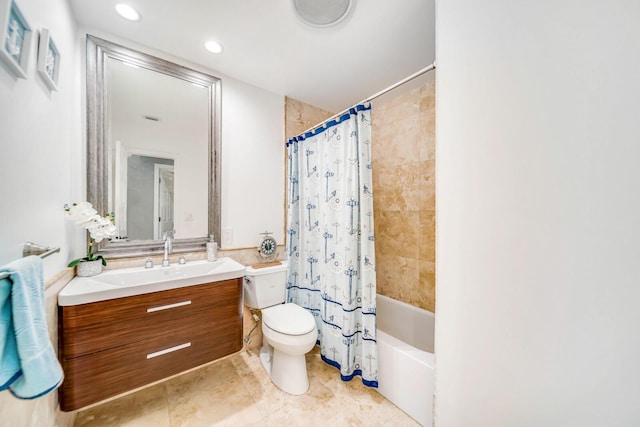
375	95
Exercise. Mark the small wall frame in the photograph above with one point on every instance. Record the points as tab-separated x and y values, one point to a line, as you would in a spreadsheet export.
48	60
15	37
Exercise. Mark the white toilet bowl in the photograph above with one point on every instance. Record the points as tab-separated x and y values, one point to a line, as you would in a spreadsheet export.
289	332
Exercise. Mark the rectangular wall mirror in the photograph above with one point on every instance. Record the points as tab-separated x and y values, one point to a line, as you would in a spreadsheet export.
153	131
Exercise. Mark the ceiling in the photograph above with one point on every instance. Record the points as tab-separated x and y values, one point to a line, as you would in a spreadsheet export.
266	45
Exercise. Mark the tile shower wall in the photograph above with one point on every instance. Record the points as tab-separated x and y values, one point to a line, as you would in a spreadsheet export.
403	158
299	117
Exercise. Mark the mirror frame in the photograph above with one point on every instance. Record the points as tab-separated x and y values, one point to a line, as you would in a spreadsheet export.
98	53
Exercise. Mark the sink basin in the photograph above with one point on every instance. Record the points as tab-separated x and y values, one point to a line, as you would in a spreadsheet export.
138	280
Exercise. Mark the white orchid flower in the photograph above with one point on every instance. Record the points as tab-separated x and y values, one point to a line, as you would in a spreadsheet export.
99	227
81	213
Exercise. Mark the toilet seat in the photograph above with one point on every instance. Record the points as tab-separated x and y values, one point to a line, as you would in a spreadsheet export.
288	319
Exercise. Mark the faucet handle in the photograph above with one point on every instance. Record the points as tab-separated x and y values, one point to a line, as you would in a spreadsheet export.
148	263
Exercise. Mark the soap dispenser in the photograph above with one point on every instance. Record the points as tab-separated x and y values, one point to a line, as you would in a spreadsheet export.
212	249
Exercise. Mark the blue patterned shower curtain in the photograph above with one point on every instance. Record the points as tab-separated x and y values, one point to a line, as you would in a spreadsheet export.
330	244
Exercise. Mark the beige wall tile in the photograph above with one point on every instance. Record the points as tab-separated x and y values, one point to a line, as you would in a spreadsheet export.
403	152
427	185
398	144
427	291
397	187
396	234
427	239
428	97
396	276
299	117
428	121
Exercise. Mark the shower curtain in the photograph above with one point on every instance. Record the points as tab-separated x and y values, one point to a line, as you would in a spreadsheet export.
330	243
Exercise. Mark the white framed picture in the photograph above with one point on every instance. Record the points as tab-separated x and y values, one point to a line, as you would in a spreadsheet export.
16	38
48	60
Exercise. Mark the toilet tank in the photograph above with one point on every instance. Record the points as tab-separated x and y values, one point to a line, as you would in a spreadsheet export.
264	287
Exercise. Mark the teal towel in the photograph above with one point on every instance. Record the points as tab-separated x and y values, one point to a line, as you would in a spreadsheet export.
29	367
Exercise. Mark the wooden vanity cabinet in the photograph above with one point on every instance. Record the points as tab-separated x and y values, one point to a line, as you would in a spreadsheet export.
110	347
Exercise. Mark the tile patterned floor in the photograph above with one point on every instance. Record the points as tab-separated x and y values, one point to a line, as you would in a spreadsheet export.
236	391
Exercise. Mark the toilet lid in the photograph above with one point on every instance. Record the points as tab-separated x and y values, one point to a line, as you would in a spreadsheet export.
289	319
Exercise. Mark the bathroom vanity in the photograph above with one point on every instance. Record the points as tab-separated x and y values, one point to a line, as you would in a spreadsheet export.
162	327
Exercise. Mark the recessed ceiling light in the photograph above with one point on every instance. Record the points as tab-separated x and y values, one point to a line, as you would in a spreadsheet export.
213	47
127	12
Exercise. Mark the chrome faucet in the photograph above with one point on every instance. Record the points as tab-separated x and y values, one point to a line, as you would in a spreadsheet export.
167	250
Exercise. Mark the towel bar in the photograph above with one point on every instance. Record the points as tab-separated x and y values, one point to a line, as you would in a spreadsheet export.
31	248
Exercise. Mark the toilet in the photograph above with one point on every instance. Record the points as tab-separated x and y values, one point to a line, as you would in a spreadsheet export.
288	330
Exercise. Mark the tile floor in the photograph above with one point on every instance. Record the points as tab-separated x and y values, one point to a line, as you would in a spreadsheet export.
236	391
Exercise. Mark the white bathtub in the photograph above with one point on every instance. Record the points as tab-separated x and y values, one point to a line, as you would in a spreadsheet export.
405	357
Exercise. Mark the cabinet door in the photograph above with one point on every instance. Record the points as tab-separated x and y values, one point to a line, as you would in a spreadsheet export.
110	347
95	377
88	328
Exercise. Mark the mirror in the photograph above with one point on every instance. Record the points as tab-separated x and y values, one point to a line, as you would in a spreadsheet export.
153	150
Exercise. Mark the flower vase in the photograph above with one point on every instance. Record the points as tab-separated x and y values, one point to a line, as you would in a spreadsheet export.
89	268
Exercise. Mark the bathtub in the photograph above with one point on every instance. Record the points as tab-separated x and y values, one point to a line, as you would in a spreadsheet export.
405	357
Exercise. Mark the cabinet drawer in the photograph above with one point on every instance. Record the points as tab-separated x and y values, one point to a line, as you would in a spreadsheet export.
94	327
94	377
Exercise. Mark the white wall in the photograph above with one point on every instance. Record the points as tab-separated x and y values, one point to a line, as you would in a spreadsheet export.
538	221
42	167
42	151
252	163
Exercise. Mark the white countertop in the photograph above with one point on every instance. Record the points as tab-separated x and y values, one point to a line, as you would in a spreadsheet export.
138	280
